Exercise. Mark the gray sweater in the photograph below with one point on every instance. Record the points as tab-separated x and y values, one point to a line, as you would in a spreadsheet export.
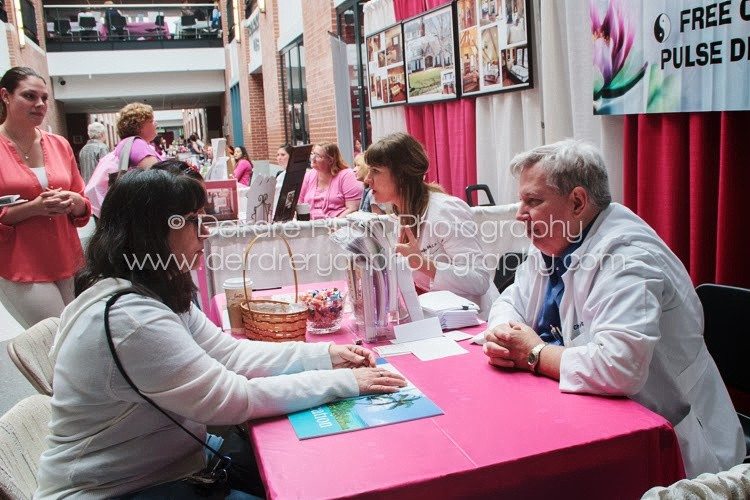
106	441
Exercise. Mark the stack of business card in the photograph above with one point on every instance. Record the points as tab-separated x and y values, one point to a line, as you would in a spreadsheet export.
452	310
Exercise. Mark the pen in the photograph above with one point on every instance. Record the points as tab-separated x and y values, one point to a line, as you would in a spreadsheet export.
556	332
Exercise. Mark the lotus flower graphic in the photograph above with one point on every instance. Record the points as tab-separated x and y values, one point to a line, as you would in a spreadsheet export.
615	72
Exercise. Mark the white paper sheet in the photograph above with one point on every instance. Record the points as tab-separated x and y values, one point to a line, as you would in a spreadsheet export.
436	348
457	335
417	330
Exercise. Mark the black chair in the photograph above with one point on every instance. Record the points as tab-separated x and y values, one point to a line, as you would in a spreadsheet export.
724	310
117	27
505	274
188	28
62	28
479	187
87	28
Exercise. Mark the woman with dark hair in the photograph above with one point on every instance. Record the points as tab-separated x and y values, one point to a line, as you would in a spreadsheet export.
330	188
440	256
194	145
39	242
243	170
105	439
282	157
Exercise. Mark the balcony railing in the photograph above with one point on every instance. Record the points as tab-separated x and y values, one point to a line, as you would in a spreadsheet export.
142	26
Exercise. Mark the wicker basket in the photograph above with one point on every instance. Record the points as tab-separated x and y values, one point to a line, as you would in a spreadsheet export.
272	320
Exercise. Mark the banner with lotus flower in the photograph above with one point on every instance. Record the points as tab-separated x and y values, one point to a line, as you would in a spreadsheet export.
659	56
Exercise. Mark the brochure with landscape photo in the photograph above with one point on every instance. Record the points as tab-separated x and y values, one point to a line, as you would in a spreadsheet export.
364	411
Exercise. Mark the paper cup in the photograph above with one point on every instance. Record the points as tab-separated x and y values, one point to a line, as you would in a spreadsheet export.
235	294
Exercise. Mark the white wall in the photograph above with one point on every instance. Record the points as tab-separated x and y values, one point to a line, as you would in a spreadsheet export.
132	61
156	84
290	21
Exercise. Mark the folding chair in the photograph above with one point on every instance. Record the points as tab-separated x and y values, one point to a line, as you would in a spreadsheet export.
725	309
23	432
29	351
479	187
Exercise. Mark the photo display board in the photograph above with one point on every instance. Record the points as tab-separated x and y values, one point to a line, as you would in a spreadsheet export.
493	46
430	53
386	74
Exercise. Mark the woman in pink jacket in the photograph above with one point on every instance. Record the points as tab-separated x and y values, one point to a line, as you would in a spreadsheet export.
243	172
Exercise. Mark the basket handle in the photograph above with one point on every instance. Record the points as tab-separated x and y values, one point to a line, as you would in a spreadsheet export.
291	262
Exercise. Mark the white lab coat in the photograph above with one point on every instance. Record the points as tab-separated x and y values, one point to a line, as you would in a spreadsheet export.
633	325
445	237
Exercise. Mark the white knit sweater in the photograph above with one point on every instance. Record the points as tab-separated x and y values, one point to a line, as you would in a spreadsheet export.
105	440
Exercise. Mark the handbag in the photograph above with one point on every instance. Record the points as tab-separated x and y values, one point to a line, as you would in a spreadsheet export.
213	477
110	167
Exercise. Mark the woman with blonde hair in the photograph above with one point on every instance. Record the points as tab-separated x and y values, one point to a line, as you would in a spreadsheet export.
330	188
440	256
137	120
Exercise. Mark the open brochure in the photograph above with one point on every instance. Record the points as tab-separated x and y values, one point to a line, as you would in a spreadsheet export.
353	414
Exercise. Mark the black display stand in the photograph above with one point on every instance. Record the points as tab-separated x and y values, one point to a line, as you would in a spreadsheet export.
299	161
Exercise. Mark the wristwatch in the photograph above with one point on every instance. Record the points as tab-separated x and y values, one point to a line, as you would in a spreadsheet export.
533	359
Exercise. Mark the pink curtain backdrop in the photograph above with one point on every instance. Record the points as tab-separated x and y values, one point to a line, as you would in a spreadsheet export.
687	175
447	129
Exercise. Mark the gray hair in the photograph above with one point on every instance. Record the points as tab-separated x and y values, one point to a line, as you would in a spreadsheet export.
569	163
97	130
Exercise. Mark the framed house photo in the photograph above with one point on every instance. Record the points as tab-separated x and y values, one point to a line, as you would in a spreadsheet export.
386	74
430	51
221	201
493	46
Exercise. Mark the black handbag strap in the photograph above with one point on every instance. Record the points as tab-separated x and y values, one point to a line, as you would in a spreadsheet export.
221	468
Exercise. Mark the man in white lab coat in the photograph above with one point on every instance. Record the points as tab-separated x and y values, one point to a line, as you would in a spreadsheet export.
602	305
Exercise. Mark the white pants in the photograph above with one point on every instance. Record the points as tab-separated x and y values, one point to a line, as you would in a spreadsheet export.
30	303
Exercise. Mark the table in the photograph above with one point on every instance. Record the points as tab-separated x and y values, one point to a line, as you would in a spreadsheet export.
503	435
135	30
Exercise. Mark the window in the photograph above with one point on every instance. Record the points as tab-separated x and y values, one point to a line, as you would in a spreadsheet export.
351	29
295	97
236	108
230	20
28	14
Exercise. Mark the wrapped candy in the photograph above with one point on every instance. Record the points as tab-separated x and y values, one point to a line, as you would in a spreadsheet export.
325	310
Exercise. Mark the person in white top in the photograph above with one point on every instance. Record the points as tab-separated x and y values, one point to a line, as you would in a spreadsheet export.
605	307
105	440
439	253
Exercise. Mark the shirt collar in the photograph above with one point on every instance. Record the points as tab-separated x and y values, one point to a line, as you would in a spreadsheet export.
558	265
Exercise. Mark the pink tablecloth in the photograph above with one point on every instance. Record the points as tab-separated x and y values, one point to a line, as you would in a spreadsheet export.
503	435
138	30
